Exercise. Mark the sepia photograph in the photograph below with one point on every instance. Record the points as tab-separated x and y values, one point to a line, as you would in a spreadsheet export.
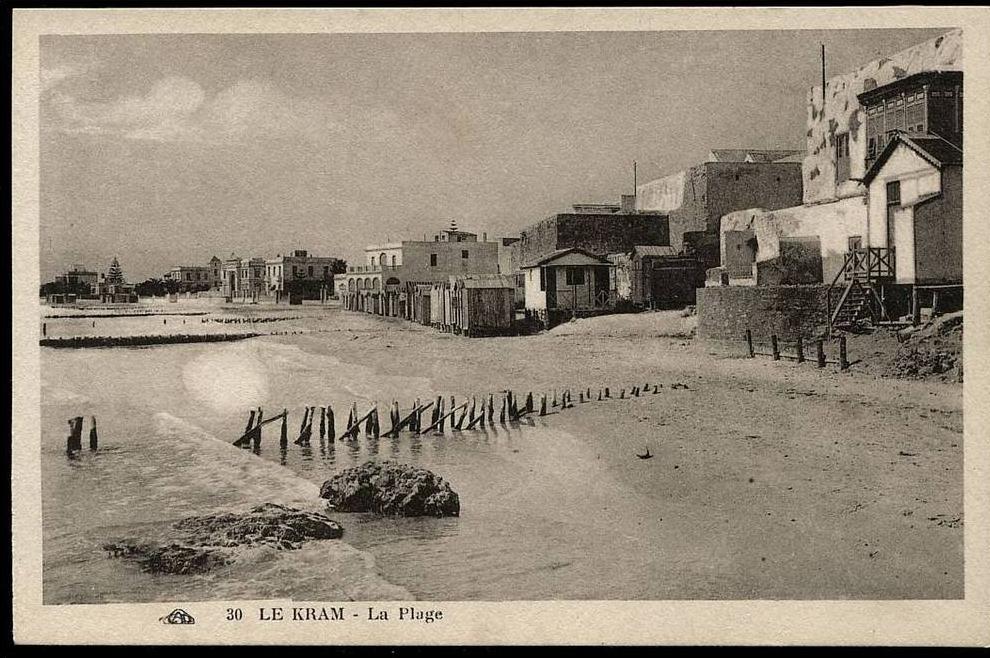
586	315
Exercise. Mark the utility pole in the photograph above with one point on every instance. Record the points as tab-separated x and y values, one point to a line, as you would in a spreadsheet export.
823	77
634	178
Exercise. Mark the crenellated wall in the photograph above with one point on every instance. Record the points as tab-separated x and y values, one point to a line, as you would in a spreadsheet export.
842	113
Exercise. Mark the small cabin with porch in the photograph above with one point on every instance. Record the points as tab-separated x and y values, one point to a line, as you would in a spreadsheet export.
568	282
914	250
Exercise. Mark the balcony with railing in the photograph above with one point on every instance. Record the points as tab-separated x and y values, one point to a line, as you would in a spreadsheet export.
372	269
869	264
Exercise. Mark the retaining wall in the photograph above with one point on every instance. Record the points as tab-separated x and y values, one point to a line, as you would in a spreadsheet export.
726	312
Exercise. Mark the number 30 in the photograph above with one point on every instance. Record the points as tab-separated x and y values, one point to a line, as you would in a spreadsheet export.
234	614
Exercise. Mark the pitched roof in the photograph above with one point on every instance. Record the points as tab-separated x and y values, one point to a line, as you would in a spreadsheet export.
934	149
483	281
654	250
752	155
554	255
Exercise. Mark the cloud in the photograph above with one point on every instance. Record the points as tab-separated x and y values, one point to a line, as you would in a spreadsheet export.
177	109
53	76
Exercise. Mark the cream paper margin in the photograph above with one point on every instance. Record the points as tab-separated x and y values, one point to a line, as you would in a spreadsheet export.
962	622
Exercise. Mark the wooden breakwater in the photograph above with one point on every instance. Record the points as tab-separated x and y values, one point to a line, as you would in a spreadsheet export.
433	416
139	341
110	316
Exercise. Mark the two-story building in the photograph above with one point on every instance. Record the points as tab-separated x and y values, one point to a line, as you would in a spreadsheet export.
299	276
393	270
190	278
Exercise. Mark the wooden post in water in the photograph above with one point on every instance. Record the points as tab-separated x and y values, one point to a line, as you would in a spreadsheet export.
543	404
554	403
284	437
44	328
74	441
323	423
529	402
800	350
376	428
331	430
607	393
93	438
256	436
250	422
843	357
302	426
443	416
501	414
599	395
749	344
587	395
774	347
820	349
580	397
491	408
622	394
656	389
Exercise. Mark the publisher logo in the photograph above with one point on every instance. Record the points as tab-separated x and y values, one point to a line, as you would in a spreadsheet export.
177	616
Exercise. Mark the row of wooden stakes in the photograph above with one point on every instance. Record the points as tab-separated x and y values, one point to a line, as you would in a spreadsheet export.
464	416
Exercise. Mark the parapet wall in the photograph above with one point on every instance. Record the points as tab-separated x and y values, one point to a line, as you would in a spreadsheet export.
726	312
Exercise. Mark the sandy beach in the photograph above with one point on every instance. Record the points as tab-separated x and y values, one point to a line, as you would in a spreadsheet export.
771	480
811	483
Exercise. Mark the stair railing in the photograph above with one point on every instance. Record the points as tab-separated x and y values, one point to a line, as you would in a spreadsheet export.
846	265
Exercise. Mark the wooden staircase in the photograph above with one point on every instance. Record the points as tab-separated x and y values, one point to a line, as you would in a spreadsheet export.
863	271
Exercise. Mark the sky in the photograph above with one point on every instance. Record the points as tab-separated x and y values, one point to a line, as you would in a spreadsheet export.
169	149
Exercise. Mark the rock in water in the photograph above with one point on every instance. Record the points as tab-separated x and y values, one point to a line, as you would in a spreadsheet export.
275	525
390	488
204	542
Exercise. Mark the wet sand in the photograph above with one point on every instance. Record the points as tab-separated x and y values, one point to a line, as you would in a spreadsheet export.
786	481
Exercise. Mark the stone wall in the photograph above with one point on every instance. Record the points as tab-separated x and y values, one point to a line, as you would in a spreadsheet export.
787	311
841	112
600	234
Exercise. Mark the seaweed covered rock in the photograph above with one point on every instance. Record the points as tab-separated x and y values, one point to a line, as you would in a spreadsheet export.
202	543
390	488
169	558
275	525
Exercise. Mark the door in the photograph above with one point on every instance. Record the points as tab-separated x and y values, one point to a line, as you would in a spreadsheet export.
550	281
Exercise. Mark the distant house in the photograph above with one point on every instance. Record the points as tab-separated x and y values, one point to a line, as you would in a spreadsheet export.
300	276
597	229
568	282
728	180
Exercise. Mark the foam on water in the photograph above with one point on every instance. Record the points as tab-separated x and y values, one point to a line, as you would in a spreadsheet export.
176	470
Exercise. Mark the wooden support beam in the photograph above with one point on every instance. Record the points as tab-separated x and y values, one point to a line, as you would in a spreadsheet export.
800	350
775	347
444	417
749	343
820	350
843	357
355	427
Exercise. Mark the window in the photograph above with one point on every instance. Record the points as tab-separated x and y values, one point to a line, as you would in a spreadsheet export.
309	271
464	253
855	242
894	193
433	260
841	157
393	260
381	259
575	276
871	148
188	276
293	270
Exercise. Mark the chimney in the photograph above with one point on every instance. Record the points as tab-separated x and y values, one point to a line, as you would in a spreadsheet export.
628	203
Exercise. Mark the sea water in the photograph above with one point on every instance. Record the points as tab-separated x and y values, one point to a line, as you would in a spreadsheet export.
541	518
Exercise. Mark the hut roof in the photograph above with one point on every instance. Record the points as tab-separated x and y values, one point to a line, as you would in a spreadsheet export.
554	255
483	281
